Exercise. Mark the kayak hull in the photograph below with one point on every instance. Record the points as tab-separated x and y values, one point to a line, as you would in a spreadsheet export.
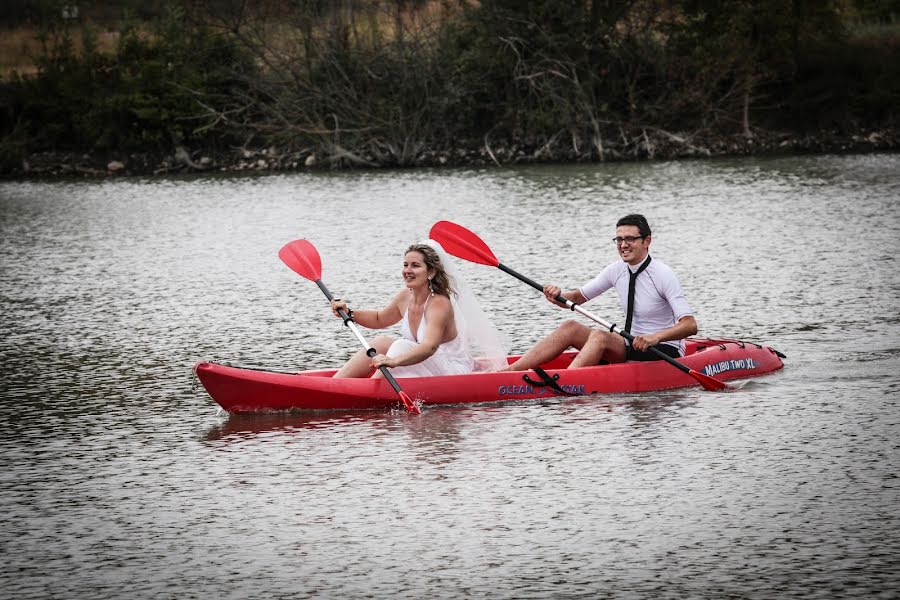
246	390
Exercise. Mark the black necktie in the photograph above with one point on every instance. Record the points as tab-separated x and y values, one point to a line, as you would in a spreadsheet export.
631	278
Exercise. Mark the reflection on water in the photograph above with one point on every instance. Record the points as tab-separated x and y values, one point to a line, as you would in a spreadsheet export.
121	478
441	423
248	425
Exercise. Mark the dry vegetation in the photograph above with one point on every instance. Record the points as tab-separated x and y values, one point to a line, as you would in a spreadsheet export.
338	83
20	47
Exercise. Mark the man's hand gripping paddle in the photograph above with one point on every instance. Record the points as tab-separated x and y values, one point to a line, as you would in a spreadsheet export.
462	243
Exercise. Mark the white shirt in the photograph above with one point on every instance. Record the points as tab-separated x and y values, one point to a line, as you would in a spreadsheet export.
659	301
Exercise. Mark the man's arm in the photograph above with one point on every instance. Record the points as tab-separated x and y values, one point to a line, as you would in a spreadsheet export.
685	327
551	292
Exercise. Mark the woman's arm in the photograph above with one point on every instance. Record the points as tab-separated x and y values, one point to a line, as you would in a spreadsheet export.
440	313
374	319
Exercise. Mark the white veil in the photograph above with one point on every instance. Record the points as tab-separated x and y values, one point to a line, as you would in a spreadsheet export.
480	338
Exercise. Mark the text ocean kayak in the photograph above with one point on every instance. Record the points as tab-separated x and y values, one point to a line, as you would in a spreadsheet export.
248	390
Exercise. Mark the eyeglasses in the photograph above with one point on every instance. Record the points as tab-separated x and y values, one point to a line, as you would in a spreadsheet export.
630	239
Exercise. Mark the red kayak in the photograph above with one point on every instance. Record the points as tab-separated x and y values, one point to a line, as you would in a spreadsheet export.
247	390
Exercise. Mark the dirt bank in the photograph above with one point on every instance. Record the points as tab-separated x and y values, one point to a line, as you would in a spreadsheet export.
649	145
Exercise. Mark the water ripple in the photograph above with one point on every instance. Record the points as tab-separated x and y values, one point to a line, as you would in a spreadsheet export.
121	477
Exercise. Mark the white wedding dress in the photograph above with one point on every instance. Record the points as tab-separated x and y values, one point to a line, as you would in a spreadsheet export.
478	346
450	358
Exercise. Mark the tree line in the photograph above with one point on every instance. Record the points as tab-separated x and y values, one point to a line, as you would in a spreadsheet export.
392	82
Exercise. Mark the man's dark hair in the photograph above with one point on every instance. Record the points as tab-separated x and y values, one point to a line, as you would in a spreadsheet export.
638	221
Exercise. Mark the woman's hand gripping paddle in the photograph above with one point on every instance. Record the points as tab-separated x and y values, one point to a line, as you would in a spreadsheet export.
303	258
462	243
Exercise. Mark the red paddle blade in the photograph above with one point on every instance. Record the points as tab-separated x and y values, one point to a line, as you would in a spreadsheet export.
462	243
302	258
709	383
409	404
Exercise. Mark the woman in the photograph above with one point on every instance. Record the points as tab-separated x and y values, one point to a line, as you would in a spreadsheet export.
444	331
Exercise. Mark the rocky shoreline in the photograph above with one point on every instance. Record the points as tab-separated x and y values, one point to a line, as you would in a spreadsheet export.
648	144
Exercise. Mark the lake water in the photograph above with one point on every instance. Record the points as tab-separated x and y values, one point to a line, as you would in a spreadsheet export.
121	478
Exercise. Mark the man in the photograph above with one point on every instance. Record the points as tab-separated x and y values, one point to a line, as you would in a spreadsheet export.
661	316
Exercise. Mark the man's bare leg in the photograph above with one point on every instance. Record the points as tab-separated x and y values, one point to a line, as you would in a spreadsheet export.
600	345
568	334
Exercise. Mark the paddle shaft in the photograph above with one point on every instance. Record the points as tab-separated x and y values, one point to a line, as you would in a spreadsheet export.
577	308
370	351
461	242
